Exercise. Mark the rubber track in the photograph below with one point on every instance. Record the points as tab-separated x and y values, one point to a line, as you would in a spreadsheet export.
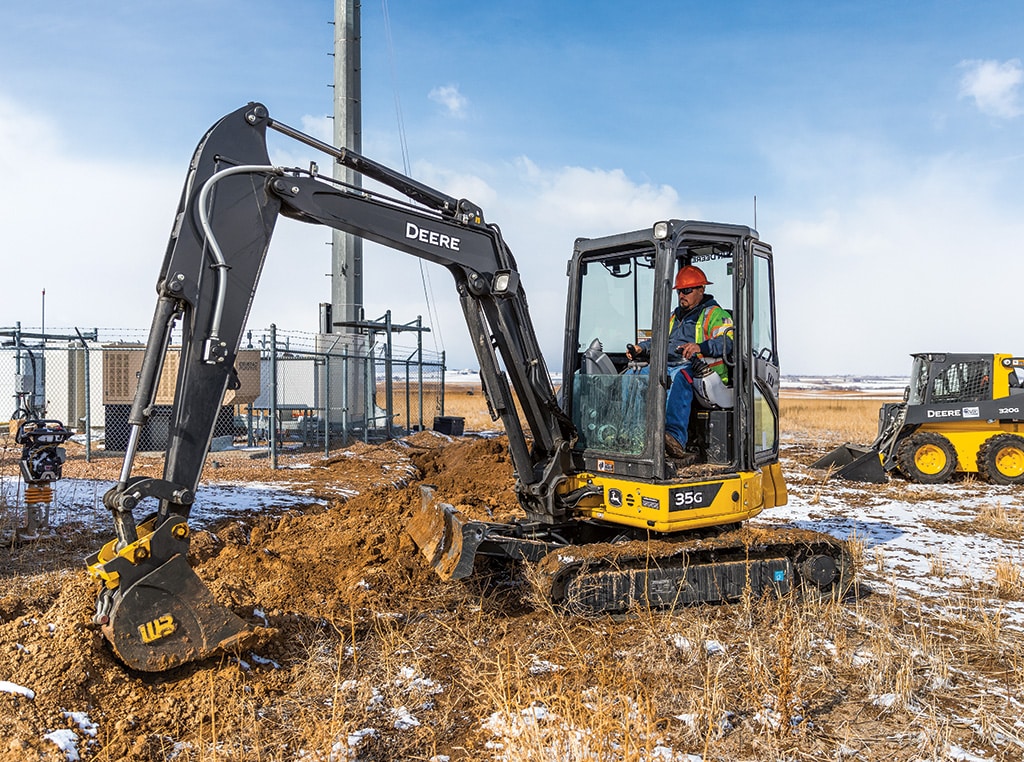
660	574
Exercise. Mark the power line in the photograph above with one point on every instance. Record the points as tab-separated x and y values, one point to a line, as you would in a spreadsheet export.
424	273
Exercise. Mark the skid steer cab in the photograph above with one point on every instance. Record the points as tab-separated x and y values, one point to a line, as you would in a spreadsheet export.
962	413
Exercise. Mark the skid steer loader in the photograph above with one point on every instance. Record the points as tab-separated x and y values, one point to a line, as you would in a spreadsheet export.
962	413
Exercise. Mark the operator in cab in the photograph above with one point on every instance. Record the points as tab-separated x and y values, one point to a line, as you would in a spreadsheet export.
698	327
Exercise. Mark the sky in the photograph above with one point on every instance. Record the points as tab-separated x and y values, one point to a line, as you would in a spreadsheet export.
882	142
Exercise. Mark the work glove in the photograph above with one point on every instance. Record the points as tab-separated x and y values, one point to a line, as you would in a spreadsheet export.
638	353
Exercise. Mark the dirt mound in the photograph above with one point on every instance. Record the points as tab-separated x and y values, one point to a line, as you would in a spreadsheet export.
297	573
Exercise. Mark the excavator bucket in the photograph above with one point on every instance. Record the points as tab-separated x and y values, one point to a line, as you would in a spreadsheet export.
169	617
446	540
154	610
854	463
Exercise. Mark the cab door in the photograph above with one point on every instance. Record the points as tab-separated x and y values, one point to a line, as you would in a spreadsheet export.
764	349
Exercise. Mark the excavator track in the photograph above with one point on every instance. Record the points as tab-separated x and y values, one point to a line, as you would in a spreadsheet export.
612	578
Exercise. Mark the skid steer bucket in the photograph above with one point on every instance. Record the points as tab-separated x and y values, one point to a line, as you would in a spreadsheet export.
854	463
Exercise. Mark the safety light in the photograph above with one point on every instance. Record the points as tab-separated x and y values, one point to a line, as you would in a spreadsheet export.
505	282
660	231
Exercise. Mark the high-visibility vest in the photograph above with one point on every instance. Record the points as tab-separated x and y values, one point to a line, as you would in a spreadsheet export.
703	330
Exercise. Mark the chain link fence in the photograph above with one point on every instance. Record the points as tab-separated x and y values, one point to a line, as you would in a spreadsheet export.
296	390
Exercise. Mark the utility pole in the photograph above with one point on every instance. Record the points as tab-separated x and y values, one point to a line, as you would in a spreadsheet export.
347	383
347	249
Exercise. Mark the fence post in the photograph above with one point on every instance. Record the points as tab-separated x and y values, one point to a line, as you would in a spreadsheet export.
369	411
344	399
88	407
419	365
273	396
389	391
443	369
327	405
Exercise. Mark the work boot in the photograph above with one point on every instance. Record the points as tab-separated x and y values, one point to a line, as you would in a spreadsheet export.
673	448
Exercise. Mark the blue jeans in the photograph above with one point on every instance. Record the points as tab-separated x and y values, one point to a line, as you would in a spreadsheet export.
678	402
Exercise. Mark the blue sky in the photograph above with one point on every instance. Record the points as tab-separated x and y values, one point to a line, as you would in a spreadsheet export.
882	141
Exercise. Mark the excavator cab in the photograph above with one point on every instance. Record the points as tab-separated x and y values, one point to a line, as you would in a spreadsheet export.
621	293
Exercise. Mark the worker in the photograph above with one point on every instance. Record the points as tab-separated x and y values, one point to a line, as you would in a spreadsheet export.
698	327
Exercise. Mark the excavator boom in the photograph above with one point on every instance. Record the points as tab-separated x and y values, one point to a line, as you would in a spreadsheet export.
152	607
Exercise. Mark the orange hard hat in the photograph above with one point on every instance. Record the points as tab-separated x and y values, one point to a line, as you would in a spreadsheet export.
691	276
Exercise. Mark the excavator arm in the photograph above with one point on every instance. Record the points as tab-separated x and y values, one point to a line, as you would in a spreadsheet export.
152	607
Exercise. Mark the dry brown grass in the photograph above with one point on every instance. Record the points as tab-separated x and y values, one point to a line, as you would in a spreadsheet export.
763	680
830	417
825	417
999	521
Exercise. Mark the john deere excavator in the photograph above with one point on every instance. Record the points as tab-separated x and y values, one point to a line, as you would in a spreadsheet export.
608	518
961	413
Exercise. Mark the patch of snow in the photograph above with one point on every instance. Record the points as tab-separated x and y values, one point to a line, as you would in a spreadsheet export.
906	536
542	666
411	679
263	661
81	501
81	719
680	642
957	754
404	719
713	647
67	741
17	690
689	719
356	737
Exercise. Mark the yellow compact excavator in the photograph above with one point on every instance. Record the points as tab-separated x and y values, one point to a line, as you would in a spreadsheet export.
611	519
961	413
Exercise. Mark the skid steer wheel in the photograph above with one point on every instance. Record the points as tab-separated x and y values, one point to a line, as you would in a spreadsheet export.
926	458
1001	459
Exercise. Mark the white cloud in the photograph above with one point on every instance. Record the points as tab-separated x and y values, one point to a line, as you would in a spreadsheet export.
91	233
450	97
99	265
878	256
994	86
320	127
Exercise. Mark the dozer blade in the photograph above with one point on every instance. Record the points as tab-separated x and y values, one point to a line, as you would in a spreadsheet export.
169	617
854	463
446	540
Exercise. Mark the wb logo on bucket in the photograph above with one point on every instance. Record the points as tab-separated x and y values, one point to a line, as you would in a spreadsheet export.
157	628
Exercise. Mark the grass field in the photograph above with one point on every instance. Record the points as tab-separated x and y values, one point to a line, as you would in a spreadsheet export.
412	668
819	417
